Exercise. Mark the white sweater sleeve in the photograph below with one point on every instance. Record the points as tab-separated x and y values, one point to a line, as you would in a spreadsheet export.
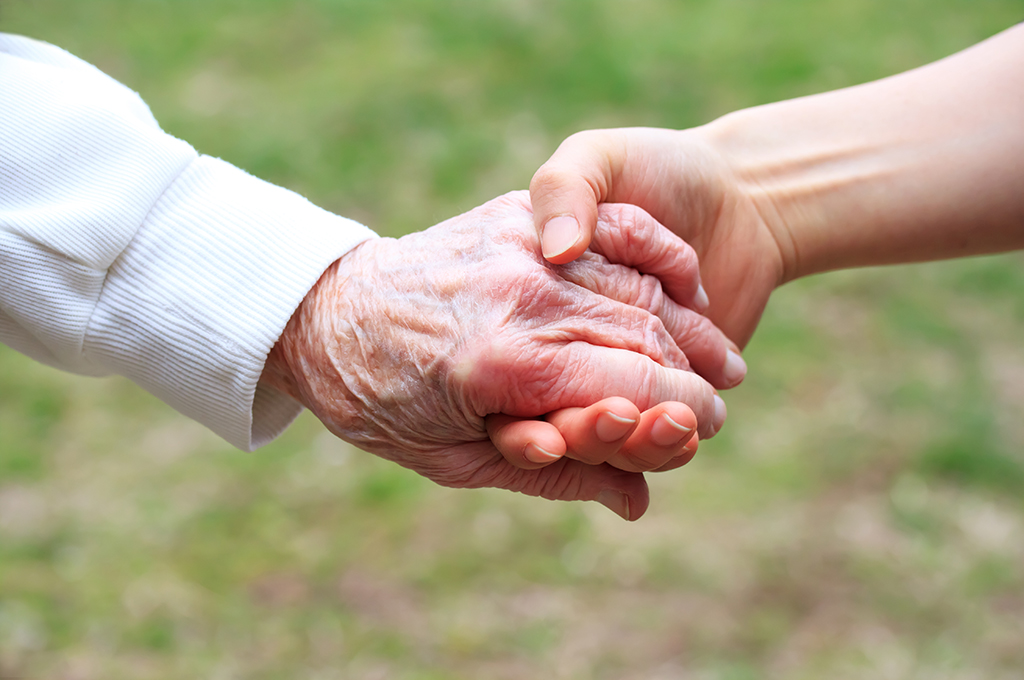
123	251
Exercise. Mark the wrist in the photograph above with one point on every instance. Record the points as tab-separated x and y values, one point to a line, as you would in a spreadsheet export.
277	373
779	178
292	362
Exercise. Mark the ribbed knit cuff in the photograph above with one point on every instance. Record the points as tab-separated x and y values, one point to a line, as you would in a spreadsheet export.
193	306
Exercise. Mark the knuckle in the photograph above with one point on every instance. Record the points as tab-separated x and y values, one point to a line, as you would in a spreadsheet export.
631	223
529	290
617	231
644	334
682	259
647	379
689	328
655	336
698	335
635	223
590	271
548	179
683	249
511	281
620	219
649	294
495	374
629	235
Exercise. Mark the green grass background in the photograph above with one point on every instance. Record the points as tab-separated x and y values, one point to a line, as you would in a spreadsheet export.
861	516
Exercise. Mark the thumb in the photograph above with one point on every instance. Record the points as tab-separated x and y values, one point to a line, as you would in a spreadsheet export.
624	493
566	190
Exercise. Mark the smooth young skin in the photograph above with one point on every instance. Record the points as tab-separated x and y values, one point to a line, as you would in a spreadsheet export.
612	431
405	346
925	165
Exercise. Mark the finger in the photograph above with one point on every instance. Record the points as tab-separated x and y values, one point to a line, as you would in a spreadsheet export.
478	465
705	345
602	320
566	191
660	437
706	348
595	433
627	235
600	372
689	451
527	444
624	493
580	373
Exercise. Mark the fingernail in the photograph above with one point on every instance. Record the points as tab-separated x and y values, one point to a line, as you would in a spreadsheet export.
536	454
735	368
558	235
700	300
615	501
691	445
667	432
720	413
611	428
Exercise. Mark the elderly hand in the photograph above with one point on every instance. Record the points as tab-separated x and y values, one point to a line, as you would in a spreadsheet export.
923	165
405	346
684	182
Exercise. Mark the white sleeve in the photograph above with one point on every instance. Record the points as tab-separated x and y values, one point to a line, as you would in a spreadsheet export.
123	251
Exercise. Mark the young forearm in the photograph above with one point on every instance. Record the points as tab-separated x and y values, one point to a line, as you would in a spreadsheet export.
925	165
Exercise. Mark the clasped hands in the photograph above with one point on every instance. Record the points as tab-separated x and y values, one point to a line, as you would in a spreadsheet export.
495	349
461	353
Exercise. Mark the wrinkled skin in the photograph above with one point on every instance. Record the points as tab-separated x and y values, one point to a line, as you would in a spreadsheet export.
430	333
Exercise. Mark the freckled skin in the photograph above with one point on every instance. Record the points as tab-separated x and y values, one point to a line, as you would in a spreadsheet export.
432	332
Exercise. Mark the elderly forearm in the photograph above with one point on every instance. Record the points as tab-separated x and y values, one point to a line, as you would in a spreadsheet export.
124	251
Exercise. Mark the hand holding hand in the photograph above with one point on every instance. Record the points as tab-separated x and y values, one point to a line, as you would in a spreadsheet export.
919	166
684	183
923	165
405	346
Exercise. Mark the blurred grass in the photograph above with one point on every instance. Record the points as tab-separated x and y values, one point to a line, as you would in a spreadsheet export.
860	517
